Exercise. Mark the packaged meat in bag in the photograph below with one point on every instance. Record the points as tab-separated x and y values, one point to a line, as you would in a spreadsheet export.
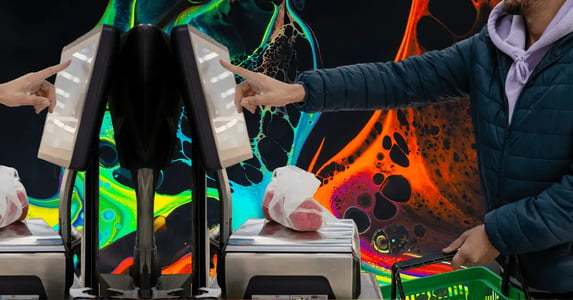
289	201
13	198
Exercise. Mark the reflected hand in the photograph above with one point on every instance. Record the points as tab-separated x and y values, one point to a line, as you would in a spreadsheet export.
260	89
32	89
474	248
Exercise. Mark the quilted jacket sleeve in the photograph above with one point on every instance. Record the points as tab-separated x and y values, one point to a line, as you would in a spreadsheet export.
534	223
431	77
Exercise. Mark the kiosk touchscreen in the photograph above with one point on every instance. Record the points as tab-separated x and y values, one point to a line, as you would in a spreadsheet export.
80	94
209	93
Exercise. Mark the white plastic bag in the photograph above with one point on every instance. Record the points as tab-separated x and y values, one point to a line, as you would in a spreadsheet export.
289	200
13	198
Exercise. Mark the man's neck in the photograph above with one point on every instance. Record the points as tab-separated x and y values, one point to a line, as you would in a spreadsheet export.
538	16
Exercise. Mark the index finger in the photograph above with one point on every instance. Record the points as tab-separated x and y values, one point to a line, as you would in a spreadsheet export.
458	260
51	95
49	71
238	70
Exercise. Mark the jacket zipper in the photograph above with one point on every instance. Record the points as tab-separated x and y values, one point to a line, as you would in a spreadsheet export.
506	136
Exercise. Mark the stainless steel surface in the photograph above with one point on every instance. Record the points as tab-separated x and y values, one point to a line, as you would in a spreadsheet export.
259	235
331	252
33	248
32	235
50	268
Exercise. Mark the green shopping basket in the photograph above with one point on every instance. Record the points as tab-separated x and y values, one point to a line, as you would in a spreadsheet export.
475	283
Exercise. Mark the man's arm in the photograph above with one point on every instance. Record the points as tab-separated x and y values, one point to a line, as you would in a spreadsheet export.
534	223
431	77
32	89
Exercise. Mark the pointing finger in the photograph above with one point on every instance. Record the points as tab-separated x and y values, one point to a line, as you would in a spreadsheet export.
49	71
249	75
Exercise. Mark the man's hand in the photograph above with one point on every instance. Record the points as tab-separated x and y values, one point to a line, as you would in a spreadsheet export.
260	89
32	89
474	248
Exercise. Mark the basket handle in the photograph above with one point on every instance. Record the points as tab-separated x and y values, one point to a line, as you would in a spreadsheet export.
412	264
511	262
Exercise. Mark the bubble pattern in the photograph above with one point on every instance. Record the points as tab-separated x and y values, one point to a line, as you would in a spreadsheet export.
409	178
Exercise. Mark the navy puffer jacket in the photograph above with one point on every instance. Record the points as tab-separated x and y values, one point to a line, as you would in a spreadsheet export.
525	168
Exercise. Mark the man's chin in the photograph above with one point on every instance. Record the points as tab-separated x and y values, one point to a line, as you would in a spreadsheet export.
513	8
513	11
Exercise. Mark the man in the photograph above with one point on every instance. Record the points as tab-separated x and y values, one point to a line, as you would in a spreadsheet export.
32	89
518	74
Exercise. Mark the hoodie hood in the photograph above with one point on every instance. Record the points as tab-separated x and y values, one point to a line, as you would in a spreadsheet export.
508	34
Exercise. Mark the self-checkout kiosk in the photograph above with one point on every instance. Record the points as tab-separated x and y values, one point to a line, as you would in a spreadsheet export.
147	76
316	265
36	261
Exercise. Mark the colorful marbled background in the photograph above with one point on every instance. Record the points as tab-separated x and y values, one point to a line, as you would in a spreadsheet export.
407	177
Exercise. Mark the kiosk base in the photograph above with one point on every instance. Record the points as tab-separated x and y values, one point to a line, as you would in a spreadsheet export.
264	259
33	261
368	286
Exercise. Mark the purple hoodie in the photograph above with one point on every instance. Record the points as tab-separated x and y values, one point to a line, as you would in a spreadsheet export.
508	34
